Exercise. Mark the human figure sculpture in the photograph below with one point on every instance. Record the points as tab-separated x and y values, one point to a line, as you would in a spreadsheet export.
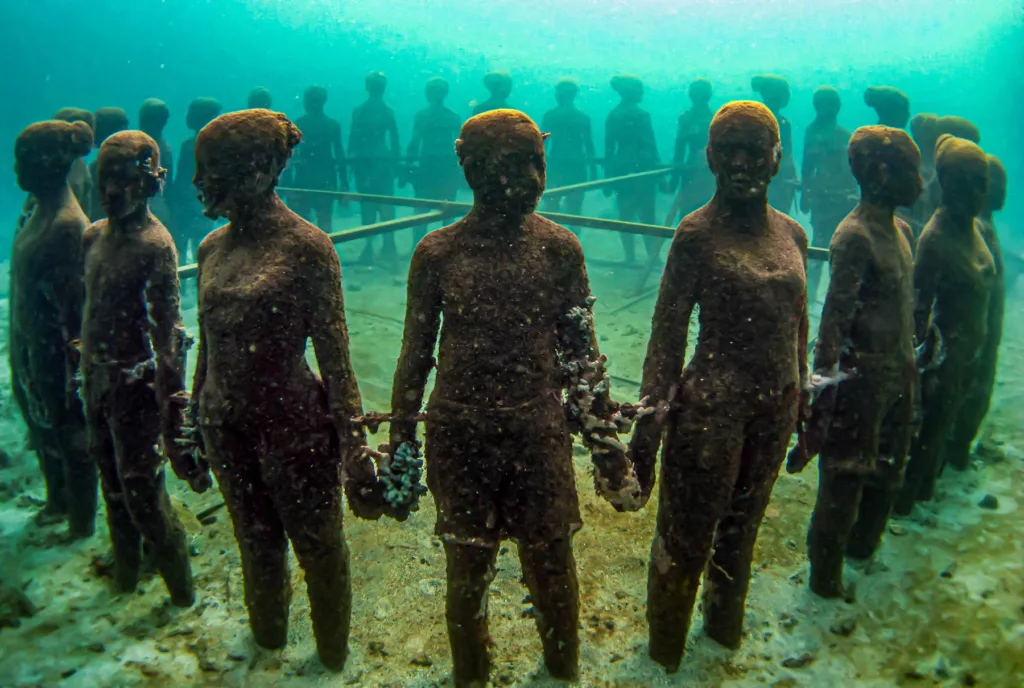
190	225
630	147
133	349
278	438
512	290
46	296
319	163
774	91
109	121
499	85
976	403
434	172
862	417
829	190
891	104
153	118
79	178
731	411
260	98
924	128
692	181
570	148
374	149
954	126
954	277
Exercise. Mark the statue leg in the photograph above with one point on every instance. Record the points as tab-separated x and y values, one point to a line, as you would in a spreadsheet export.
470	572
625	198
80	477
646	215
549	570
835	511
51	465
258	530
700	464
971	415
304	477
125	539
941	396
135	428
323	206
728	572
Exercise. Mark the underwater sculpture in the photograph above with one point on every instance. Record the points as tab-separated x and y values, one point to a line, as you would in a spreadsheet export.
924	128
691	180
629	147
133	350
319	163
975	405
954	126
954	277
373	150
891	104
774	91
499	85
109	121
46	295
435	170
829	191
278	438
153	118
190	225
79	177
570	148
730	413
513	292
862	415
260	99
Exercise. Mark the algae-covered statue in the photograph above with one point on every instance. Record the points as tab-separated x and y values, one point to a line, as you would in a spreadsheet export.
729	414
109	121
862	416
829	190
570	148
954	277
513	293
499	85
46	297
629	147
133	349
190	226
319	162
153	117
891	104
259	98
774	91
434	172
79	178
691	175
373	150
278	438
976	404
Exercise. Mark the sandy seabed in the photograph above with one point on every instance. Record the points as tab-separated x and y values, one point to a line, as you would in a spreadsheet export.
942	603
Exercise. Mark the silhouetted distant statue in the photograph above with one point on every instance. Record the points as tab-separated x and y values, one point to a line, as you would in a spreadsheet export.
891	104
153	118
190	225
499	85
319	163
373	150
570	148
629	147
109	121
79	177
774	92
260	99
692	181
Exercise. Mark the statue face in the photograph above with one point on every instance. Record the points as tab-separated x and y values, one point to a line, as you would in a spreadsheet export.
122	188
509	176
215	186
965	191
904	183
743	160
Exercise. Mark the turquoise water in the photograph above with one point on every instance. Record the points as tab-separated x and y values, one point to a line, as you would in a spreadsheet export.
939	605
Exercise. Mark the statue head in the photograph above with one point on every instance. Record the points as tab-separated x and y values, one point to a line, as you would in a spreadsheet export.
887	165
128	173
743	150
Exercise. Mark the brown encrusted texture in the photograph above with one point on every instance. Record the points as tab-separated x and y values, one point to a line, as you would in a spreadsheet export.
630	147
891	104
319	163
131	371
279	438
775	92
109	121
829	191
374	148
45	318
503	281
976	404
954	278
692	181
435	173
866	332
78	177
731	411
